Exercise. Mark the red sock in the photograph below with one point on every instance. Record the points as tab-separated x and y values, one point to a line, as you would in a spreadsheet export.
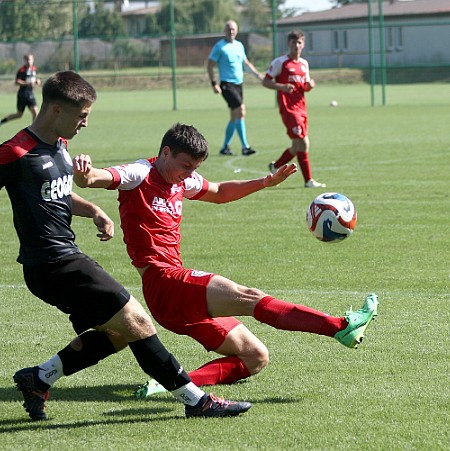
225	370
286	316
303	161
286	157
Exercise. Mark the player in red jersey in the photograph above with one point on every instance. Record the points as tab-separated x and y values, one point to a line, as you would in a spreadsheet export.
26	79
289	76
189	301
37	172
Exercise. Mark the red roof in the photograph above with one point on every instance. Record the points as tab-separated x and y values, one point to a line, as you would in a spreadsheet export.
360	10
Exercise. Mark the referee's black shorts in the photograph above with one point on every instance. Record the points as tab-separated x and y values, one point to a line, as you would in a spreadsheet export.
232	94
78	286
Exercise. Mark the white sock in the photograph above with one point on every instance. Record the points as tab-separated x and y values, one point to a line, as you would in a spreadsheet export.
51	371
188	394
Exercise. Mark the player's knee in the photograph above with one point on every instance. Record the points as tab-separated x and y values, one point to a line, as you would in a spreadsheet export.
259	360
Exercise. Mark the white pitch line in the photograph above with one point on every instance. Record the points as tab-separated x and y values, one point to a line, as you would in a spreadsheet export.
302	292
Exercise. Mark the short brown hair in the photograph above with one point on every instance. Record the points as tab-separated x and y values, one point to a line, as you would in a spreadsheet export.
68	87
295	35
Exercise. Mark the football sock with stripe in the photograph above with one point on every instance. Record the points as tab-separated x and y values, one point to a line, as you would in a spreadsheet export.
225	370
229	132
285	158
296	317
160	364
303	161
242	132
94	346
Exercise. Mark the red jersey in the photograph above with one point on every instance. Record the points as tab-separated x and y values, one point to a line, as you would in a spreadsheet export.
151	211
285	70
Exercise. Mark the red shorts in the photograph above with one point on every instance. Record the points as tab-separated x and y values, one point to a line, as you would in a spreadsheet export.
176	298
296	125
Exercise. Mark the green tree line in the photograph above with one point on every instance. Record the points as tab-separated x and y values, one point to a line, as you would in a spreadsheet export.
32	20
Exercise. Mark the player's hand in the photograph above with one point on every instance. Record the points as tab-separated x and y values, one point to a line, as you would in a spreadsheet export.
309	85
105	225
281	175
82	164
288	88
217	89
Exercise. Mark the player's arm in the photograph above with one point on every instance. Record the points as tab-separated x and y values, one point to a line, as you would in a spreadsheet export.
232	190
271	83
20	82
86	209
214	83
309	85
86	176
251	68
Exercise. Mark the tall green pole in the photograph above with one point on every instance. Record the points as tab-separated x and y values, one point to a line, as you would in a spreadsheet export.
274	29
382	52
274	36
371	55
76	61
173	54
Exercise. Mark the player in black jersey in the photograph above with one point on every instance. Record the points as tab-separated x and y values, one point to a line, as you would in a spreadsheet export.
37	172
26	79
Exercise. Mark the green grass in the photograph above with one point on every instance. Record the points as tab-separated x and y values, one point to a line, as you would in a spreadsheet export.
391	394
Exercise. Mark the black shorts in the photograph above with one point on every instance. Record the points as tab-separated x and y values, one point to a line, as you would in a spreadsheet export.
78	286
232	94
25	99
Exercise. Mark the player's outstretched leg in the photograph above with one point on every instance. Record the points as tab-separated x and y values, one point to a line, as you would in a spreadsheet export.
212	406
358	321
34	391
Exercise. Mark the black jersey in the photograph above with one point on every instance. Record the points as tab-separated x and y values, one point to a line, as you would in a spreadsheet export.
27	74
38	178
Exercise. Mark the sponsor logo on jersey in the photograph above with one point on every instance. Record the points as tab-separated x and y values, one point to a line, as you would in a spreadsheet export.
297	78
198	273
165	206
47	165
57	189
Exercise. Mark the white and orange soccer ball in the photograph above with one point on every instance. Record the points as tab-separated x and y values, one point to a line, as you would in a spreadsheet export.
331	217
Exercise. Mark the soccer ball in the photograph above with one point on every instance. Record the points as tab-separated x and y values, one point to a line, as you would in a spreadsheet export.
334	103
331	217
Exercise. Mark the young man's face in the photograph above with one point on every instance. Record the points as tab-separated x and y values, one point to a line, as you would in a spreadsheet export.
296	46
176	168
71	119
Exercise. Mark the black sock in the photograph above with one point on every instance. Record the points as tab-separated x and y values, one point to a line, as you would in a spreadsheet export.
159	363
95	346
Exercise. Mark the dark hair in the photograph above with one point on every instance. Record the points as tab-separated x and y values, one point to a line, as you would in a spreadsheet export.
182	138
295	35
68	87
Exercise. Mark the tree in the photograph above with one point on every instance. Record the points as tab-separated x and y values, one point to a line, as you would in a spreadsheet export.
101	23
258	13
192	16
23	20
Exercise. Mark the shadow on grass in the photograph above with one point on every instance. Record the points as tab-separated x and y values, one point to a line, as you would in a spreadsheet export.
150	412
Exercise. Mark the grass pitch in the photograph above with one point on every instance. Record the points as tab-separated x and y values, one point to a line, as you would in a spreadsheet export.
390	394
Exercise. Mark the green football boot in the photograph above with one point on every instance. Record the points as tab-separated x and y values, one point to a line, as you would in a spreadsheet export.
151	387
358	321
